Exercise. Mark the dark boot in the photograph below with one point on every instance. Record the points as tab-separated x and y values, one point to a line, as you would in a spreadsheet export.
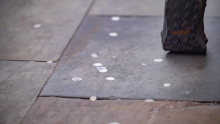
183	26
202	32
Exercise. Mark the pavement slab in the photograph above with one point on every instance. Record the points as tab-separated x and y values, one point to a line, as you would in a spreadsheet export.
20	84
142	7
133	59
49	110
38	30
128	7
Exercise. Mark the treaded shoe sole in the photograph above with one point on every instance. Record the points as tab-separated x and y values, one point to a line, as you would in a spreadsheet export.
180	31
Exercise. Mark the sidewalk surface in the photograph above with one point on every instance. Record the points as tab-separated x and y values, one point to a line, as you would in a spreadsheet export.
55	55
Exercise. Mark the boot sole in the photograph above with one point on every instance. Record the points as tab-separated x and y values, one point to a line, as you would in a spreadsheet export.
180	32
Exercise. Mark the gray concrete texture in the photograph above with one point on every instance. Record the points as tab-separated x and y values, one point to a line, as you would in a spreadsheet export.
143	7
59	19
20	84
193	77
75	111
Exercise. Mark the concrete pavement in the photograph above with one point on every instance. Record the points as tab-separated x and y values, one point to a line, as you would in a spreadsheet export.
54	53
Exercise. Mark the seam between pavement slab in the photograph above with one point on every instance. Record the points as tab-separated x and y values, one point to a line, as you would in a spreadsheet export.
100	99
